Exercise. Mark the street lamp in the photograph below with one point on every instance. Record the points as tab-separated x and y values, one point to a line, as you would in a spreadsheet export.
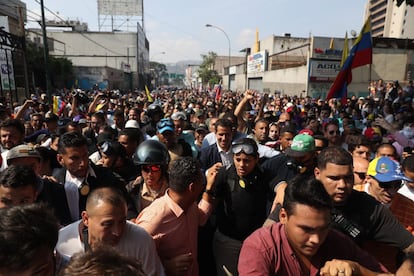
156	54
228	39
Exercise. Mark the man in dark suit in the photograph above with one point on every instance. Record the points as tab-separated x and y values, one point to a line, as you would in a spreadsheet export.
46	190
78	176
219	151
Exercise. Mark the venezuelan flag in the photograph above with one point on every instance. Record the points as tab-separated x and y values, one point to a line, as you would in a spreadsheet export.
58	105
360	54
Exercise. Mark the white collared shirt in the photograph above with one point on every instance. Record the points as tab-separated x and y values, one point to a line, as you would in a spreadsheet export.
226	157
72	184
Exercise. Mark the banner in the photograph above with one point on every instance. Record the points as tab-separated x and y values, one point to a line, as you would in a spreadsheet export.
6	70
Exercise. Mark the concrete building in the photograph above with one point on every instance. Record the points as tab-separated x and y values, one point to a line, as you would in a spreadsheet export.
388	20
110	59
308	66
13	79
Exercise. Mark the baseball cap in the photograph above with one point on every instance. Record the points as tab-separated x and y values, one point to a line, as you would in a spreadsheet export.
51	117
131	124
384	169
178	116
22	151
165	125
201	128
306	131
301	145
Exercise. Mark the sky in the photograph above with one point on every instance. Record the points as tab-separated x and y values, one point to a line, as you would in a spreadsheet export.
176	29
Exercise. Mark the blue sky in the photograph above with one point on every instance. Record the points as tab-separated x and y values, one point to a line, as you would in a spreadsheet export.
178	27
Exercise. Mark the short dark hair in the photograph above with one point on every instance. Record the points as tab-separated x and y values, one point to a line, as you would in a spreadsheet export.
223	123
388	145
99	115
183	171
330	122
408	163
356	140
133	134
261	120
119	113
324	140
17	124
24	230
71	139
107	194
334	155
307	191
288	128
17	176
105	261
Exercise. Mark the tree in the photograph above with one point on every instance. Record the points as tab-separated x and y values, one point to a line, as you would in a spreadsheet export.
206	71
60	69
408	2
158	72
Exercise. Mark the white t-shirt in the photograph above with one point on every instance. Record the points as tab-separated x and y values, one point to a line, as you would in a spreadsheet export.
135	243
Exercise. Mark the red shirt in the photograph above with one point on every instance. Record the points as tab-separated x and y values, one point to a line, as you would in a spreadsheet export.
267	252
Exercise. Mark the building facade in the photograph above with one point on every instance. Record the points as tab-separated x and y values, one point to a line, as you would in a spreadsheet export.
388	20
108	55
308	66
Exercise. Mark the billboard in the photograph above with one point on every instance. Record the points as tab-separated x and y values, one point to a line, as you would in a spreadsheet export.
323	70
256	62
120	7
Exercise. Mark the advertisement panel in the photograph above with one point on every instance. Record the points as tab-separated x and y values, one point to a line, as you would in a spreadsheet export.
120	7
323	70
257	62
6	70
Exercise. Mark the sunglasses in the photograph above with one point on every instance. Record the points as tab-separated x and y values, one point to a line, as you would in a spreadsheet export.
361	175
333	132
245	148
151	168
391	185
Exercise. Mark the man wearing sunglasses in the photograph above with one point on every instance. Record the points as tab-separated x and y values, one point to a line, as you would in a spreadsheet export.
360	173
384	179
332	133
242	197
153	158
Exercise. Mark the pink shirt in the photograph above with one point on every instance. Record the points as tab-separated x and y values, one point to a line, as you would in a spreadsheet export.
173	229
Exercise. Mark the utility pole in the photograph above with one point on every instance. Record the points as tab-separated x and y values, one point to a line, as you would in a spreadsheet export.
45	53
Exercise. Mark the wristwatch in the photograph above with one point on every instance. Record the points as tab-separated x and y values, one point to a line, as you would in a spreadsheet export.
209	192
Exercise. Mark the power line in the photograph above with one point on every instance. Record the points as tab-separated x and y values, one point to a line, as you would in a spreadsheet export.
82	34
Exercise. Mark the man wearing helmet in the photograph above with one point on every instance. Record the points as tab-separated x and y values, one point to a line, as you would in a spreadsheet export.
155	114
152	158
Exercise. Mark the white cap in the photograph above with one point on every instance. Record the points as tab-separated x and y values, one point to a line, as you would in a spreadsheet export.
131	124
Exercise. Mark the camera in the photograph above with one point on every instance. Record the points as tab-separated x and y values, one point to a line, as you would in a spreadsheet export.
80	96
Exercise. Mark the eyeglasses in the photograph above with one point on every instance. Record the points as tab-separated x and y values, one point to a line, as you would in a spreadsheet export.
391	184
151	168
246	148
334	132
361	175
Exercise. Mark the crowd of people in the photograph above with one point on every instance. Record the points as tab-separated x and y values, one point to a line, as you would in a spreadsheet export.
205	183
